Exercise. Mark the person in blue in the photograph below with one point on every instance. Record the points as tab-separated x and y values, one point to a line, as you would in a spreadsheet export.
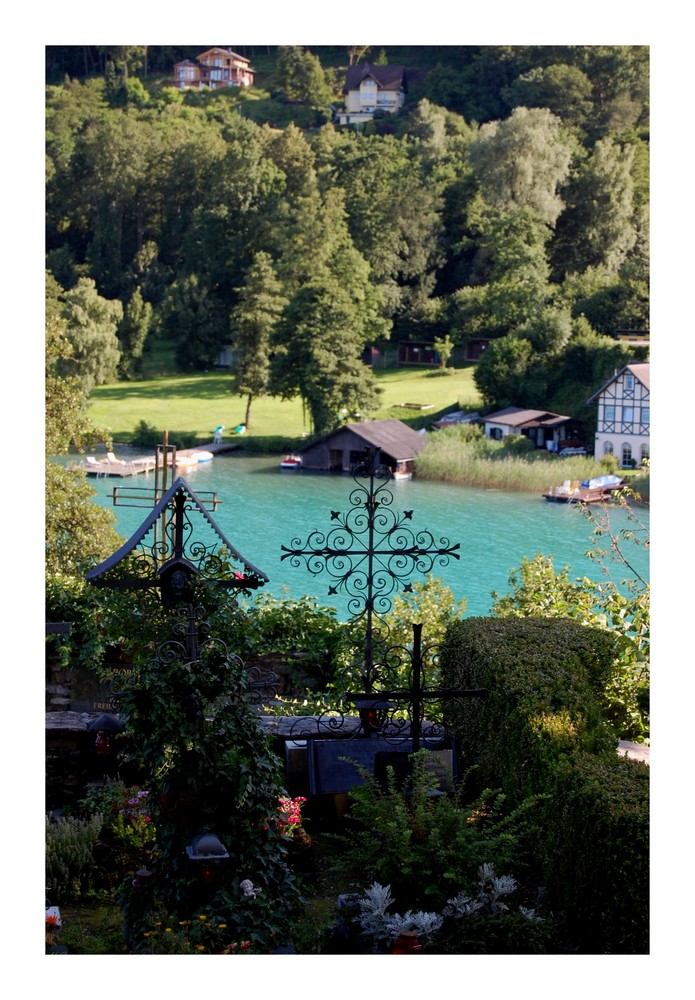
218	433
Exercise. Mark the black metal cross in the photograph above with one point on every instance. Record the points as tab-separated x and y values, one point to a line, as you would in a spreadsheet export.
370	552
374	707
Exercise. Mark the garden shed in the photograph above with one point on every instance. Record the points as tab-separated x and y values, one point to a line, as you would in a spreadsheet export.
396	443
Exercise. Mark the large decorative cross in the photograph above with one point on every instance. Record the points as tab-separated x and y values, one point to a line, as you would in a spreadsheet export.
370	552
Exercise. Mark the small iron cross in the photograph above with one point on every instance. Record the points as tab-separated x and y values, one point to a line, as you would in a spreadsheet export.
374	706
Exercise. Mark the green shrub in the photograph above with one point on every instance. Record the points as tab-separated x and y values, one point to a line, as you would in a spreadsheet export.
597	849
147	436
428	847
69	859
543	677
541	730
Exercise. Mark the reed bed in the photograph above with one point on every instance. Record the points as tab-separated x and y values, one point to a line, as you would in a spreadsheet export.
449	457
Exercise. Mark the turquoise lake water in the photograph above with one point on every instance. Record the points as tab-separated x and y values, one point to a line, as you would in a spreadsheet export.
263	509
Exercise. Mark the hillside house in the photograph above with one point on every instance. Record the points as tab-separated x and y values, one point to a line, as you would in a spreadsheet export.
395	443
372	88
546	430
214	68
623	415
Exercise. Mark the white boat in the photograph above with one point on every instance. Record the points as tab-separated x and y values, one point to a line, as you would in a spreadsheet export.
203	456
291	462
403	470
186	461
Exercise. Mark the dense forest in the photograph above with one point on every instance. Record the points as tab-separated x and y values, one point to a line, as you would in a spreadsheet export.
508	201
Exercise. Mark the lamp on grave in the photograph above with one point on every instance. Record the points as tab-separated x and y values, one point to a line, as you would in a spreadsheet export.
372	715
106	727
208	854
177	581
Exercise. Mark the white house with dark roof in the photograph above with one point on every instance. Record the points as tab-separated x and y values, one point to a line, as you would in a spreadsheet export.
372	88
546	430
623	415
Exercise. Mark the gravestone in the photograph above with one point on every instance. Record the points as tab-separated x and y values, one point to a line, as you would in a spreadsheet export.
90	693
332	763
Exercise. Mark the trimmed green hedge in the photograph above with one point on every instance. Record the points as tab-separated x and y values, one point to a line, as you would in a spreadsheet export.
541	730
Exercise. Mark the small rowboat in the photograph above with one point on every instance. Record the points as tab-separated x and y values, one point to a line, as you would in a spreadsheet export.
291	462
186	461
203	456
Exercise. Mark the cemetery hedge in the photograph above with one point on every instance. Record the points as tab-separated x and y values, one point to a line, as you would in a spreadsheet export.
541	730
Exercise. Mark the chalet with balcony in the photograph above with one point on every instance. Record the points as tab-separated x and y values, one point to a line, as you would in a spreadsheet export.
372	89
212	69
623	415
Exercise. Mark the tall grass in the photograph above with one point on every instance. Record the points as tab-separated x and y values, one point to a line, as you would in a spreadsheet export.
453	456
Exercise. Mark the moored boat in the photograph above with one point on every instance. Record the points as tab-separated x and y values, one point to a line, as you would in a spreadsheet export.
291	462
596	490
186	461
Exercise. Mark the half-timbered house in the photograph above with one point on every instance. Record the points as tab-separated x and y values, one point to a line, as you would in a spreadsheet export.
624	416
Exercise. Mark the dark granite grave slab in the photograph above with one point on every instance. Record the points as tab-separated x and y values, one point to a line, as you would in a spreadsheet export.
332	763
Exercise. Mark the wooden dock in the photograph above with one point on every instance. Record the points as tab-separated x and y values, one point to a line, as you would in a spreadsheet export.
123	468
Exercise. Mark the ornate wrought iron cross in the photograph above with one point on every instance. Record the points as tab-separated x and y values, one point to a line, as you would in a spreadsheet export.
370	552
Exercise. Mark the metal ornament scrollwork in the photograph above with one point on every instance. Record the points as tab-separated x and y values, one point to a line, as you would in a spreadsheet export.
370	553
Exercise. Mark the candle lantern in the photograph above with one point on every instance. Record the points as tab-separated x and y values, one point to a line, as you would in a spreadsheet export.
106	727
208	854
372	714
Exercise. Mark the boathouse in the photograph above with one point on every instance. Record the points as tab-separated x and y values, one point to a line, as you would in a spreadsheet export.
396	445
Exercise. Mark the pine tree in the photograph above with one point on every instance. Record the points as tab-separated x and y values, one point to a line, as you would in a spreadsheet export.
252	323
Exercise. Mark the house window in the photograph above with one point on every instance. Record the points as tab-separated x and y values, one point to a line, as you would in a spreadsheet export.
628	414
607	447
627	455
609	414
629	383
645	414
644	453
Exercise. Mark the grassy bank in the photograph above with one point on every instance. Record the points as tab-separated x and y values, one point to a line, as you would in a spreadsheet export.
193	405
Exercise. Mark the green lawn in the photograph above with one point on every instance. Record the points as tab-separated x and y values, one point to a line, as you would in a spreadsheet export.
195	404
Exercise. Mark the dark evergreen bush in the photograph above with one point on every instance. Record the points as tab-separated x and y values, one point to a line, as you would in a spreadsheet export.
541	730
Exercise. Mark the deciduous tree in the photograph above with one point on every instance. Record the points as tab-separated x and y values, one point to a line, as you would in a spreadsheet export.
91	325
522	161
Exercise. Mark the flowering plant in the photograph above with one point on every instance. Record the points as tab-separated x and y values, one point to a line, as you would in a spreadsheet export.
53	924
126	812
290	815
205	934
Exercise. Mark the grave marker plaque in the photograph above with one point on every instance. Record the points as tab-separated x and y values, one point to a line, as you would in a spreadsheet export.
332	769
